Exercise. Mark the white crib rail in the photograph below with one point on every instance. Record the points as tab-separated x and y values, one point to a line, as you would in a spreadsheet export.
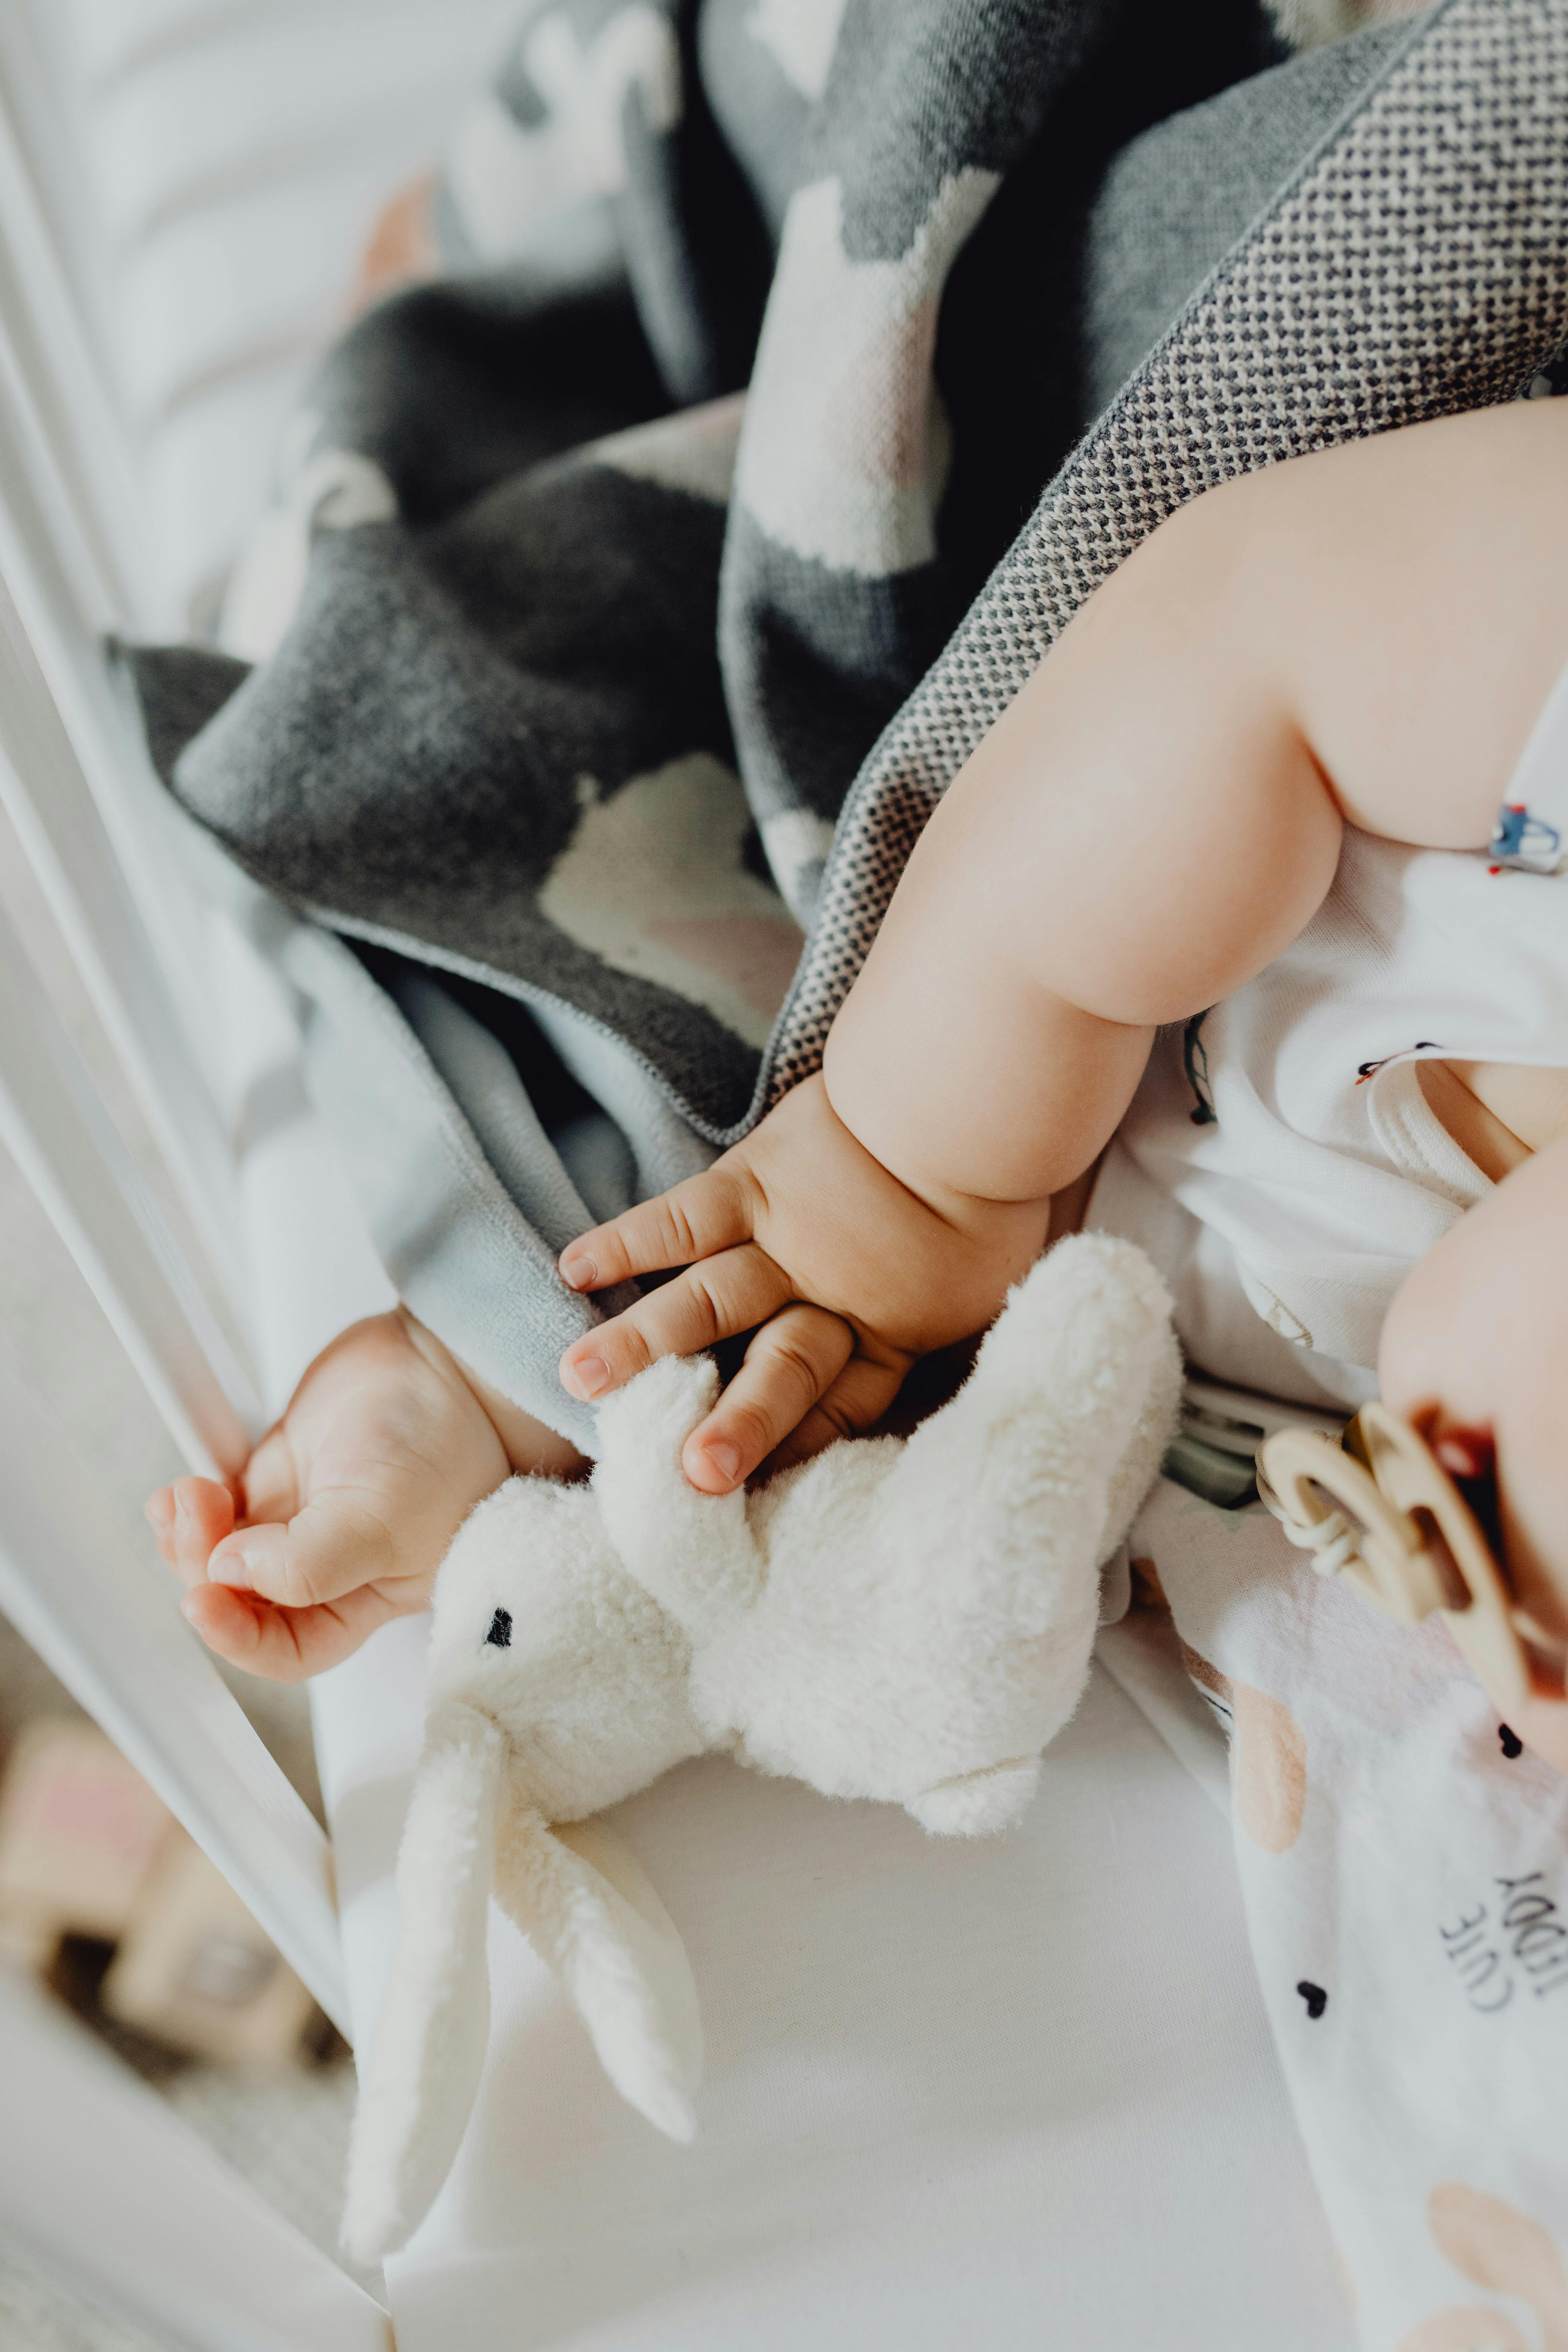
76	564
108	854
45	102
106	1621
53	352
46	794
54	1123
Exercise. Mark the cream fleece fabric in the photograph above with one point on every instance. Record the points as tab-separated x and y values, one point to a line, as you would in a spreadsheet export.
909	1620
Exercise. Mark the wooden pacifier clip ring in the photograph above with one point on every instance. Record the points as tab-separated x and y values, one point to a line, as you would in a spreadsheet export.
1381	1511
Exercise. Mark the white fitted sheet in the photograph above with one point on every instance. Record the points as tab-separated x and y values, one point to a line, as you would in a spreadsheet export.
1015	2093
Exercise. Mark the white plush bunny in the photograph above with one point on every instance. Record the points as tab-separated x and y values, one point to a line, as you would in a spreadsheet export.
905	1621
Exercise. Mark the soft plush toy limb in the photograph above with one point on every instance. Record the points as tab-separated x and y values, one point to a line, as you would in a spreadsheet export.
929	1609
905	1622
419	2085
978	1804
693	1552
558	1686
581	1898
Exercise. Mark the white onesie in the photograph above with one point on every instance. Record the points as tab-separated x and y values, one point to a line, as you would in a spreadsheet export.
1279	1161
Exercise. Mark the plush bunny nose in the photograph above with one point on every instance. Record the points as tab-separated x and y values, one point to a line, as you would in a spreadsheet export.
499	1636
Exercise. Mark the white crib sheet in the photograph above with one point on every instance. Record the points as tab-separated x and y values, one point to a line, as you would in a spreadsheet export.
1018	2093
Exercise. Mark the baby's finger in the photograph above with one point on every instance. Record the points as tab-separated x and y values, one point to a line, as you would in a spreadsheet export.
187	1519
336	1544
856	1402
272	1478
708	1213
793	1360
284	1644
730	1293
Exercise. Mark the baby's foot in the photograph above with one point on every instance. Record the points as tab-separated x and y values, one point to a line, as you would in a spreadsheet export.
344	1511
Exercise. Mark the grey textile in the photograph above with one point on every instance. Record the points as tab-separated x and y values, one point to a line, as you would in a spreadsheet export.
1043	272
1174	202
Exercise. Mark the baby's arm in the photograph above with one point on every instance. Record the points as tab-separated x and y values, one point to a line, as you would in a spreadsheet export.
1341	639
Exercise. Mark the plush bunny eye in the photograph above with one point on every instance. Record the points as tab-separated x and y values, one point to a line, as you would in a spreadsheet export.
499	1636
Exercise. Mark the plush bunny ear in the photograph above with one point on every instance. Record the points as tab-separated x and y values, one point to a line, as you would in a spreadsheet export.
583	1902
428	2052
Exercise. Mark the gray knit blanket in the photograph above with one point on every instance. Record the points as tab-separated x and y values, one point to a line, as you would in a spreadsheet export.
783	375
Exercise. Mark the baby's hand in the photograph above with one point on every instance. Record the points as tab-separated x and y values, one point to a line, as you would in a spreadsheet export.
845	1276
346	1508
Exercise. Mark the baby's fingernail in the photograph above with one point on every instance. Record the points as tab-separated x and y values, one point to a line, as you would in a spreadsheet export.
235	1568
588	1375
725	1458
578	1270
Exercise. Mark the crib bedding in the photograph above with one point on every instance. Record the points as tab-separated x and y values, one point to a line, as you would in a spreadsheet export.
1016	2094
495	739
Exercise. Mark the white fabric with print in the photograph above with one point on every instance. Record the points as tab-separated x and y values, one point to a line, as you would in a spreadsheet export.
1403	1866
1285	1224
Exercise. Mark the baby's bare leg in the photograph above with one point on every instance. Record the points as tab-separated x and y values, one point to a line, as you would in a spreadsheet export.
346	1508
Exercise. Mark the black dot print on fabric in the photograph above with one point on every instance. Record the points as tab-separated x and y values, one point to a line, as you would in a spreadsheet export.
1316	1998
1509	1742
499	1636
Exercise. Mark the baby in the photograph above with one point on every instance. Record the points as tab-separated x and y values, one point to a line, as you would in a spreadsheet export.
1219	941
